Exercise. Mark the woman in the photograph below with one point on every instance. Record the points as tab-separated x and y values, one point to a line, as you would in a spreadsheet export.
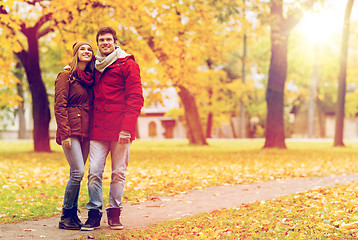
73	100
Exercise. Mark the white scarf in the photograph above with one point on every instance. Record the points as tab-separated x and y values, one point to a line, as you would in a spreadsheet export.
104	61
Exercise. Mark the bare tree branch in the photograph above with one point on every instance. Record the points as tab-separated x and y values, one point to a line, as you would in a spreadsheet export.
3	10
45	31
22	55
33	2
45	18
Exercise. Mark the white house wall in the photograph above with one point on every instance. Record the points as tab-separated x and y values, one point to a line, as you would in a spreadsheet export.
350	127
143	128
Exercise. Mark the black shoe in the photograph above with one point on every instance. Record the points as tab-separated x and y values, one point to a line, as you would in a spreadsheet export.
93	221
75	217
113	215
68	221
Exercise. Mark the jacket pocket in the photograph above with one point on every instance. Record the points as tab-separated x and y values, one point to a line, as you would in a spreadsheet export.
74	118
113	116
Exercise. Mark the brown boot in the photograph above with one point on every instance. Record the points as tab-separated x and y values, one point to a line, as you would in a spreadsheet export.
113	215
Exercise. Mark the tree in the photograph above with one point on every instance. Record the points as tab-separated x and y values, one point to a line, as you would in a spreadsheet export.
244	55
27	51
338	137
174	32
23	24
20	110
281	27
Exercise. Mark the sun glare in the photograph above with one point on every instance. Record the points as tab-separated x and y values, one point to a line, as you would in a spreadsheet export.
323	25
319	27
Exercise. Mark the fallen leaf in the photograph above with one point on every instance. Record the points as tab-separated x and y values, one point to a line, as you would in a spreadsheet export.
348	226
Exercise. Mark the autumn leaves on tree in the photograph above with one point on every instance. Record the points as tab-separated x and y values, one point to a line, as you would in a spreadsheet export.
174	41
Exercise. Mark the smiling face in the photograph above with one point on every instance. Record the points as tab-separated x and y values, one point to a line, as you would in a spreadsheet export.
106	44
85	53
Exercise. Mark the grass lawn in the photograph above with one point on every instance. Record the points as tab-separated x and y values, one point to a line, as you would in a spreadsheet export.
32	184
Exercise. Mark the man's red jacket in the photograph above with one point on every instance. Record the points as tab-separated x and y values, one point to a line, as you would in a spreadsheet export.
118	100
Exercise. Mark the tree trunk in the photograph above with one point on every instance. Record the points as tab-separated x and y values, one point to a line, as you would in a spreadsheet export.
21	113
312	100
209	125
194	127
40	103
232	128
21	134
275	133
338	137
242	104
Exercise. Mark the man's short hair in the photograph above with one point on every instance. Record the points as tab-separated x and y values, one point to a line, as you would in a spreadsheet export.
105	30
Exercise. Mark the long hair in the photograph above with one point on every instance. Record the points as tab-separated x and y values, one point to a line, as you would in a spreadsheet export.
74	64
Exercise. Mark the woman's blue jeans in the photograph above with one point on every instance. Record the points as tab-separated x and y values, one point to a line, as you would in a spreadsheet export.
99	151
76	157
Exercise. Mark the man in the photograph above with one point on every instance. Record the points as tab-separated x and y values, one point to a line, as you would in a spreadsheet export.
118	99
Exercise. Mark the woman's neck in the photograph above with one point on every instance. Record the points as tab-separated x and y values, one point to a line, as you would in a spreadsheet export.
82	65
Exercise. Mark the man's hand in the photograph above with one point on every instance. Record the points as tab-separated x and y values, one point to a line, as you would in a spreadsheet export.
124	137
66	143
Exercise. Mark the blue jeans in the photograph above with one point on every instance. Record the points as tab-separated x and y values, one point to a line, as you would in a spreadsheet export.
99	151
76	157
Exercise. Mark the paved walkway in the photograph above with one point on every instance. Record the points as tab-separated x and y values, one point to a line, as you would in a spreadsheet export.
166	208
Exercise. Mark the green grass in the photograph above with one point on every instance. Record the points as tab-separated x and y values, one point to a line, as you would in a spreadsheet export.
32	184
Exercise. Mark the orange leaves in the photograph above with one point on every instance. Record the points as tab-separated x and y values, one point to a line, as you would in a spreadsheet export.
43	195
34	183
8	97
35	178
28	188
9	20
174	33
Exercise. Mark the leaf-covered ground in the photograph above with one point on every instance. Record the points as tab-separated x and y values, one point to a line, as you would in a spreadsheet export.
32	184
329	213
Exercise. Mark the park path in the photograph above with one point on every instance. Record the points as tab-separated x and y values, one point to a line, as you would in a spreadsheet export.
166	208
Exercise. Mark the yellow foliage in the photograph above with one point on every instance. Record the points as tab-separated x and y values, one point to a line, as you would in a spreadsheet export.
175	34
172	40
242	90
6	77
9	99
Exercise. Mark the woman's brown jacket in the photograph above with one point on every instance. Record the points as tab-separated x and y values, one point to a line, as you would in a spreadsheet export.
73	103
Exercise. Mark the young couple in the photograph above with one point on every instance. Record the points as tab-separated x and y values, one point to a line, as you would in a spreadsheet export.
97	103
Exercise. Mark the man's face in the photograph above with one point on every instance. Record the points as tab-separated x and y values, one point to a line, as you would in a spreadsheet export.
106	44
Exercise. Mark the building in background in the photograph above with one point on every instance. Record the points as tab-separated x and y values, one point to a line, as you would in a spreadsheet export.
152	122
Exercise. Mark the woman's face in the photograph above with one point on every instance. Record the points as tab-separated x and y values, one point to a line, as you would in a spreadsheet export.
85	53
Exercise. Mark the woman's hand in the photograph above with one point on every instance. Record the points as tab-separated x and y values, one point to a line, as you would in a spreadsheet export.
66	143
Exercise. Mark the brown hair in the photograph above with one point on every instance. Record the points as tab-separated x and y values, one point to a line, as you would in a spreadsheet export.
105	30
